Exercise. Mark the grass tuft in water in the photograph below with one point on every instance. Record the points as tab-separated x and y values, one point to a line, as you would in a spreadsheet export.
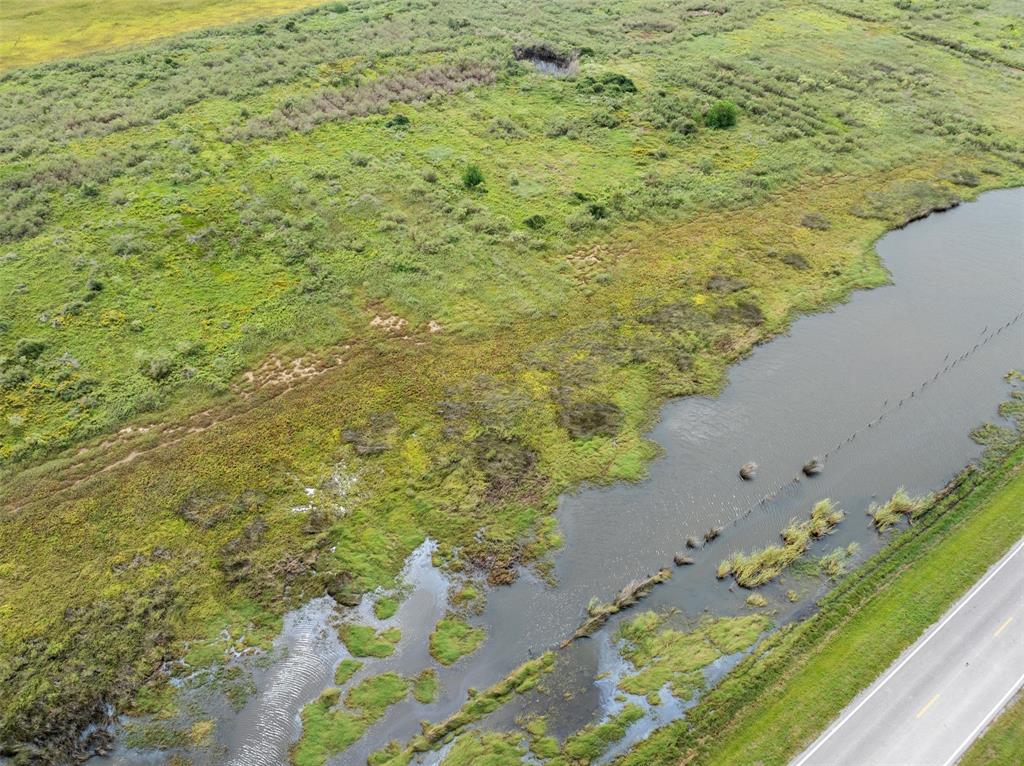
364	641
454	638
755	569
346	669
374	695
898	506
424	688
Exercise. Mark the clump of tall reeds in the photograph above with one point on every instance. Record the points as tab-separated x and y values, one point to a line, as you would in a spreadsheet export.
899	505
757	568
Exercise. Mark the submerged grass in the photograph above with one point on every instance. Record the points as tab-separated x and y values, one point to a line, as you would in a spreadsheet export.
591	742
522	679
666	655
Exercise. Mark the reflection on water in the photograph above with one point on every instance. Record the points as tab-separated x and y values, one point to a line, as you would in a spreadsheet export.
311	650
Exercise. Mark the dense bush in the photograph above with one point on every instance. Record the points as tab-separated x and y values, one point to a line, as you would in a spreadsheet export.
609	83
722	114
472	176
29	348
156	367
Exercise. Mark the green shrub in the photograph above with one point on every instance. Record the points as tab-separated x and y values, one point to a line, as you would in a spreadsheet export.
472	176
29	348
156	367
13	376
609	82
722	114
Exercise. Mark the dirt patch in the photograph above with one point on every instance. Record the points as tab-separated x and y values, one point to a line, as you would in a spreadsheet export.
389	323
548	59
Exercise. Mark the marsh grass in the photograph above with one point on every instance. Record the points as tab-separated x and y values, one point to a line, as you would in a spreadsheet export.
484	747
326	730
757	568
345	670
364	641
373	695
598	612
833	565
521	680
453	638
900	506
425	686
861	627
669	655
385	607
590	742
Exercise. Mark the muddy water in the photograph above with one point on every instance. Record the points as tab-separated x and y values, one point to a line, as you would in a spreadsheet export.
920	360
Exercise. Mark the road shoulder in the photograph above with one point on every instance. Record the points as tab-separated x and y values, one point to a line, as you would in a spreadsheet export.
1003	743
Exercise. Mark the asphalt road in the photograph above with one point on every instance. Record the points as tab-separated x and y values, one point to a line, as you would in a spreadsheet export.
942	692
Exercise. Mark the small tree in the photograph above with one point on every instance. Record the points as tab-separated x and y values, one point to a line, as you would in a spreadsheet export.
722	114
472	176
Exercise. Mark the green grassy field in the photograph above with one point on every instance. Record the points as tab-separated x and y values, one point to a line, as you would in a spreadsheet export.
34	31
775	703
258	337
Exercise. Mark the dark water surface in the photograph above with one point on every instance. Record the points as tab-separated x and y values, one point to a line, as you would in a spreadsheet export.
958	277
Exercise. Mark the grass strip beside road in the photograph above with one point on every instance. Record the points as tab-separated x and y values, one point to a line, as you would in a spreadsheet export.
777	701
1003	743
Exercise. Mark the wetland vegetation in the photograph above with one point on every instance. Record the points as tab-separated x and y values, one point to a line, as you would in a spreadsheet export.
800	677
753	569
281	300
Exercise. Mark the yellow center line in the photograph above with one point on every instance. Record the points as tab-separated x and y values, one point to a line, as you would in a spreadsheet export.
1003	626
923	710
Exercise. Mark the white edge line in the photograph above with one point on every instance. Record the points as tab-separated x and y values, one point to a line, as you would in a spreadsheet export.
974	591
985	722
